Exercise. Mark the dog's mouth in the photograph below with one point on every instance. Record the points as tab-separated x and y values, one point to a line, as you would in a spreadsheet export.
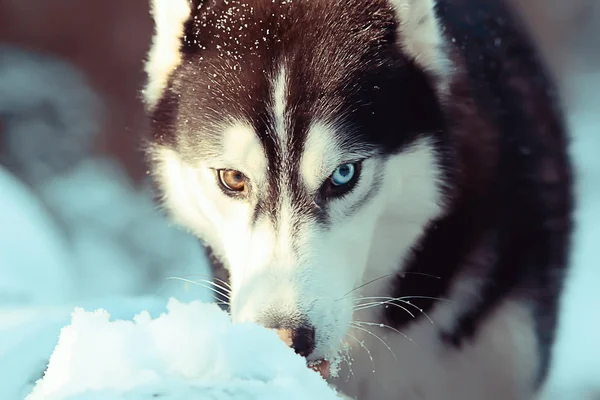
321	366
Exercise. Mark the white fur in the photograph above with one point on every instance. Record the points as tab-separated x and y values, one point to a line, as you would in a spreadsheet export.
164	55
493	367
421	35
412	198
241	149
321	155
191	191
279	103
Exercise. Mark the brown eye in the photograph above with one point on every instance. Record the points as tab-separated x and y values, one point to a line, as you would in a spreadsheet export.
232	180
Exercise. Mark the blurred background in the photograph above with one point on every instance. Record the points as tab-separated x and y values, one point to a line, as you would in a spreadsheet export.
78	224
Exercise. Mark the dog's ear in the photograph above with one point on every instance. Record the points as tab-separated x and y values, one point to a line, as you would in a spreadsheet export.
421	35
170	17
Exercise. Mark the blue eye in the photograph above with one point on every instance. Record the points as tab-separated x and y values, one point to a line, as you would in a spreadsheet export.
343	174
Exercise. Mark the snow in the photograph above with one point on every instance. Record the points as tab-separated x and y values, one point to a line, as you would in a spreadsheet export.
192	351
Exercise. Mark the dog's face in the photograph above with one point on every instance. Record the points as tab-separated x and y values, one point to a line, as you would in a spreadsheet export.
299	139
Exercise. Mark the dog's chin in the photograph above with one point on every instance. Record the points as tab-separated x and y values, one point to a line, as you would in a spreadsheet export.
327	363
323	367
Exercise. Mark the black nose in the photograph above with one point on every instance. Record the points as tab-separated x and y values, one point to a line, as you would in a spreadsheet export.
297	333
303	341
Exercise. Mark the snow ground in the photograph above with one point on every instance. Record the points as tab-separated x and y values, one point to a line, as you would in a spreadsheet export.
175	356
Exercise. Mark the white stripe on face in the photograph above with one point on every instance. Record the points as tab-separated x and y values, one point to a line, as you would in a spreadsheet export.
279	104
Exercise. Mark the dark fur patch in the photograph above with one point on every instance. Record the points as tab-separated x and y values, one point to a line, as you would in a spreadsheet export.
513	198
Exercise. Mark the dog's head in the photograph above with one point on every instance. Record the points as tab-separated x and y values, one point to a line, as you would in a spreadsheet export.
299	140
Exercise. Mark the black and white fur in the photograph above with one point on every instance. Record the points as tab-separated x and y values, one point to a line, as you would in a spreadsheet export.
443	266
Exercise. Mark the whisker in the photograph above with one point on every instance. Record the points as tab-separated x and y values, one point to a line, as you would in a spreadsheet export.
402	299
373	297
347	357
199	283
419	273
418	308
364	284
400	274
226	290
424	297
390	300
389	327
364	347
378	303
211	277
356	325
225	283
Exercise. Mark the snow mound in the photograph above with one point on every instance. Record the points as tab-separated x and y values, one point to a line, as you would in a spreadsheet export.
191	351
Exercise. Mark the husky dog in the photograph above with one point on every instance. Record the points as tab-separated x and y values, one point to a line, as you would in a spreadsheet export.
384	181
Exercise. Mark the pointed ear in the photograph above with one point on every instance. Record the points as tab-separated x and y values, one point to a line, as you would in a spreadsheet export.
420	34
170	17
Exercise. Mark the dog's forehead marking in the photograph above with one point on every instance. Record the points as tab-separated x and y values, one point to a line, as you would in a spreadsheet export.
320	155
282	136
279	104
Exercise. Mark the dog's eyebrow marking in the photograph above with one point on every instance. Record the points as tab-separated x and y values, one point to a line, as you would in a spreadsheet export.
242	149
324	151
321	155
